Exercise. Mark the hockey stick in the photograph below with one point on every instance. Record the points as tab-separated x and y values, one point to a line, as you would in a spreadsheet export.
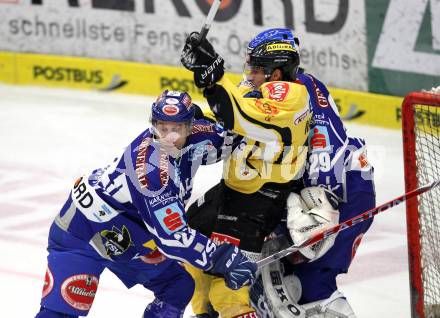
209	19
346	224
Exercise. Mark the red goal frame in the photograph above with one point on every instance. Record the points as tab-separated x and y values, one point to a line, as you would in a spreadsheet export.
411	182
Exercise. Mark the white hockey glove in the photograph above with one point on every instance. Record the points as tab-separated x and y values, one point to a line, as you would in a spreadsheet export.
311	212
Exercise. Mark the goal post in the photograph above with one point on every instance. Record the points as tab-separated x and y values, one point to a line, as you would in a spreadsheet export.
421	151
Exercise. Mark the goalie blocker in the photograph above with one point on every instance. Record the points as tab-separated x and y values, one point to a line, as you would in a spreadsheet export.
309	213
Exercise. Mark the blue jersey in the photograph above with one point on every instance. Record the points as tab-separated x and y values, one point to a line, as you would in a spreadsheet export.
335	161
137	203
338	163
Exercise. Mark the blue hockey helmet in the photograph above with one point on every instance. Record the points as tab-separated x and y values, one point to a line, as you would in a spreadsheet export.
173	106
272	49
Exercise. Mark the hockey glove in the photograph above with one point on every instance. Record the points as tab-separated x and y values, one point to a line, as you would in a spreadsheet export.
312	212
201	58
235	267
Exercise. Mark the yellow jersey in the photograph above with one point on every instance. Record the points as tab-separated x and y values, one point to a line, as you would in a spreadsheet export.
274	123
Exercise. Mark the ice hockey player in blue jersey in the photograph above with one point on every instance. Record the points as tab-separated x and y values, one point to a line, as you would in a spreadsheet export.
129	217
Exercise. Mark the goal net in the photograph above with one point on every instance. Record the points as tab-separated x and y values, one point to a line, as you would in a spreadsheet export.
421	136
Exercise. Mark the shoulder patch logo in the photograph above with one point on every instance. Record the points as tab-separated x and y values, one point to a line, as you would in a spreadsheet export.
277	90
117	241
266	108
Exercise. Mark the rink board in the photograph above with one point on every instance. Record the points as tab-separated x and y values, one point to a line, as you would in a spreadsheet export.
147	79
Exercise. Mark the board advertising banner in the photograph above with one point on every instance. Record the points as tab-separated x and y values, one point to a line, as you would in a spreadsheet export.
332	32
403	45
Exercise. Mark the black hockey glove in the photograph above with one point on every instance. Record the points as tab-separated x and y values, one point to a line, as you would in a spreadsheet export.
201	58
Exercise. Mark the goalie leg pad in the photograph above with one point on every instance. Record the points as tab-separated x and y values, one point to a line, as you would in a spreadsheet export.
336	306
259	300
276	295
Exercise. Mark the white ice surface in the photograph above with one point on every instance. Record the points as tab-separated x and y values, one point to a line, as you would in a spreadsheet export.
49	137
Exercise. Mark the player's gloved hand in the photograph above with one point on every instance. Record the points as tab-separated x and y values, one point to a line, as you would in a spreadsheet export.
201	58
235	267
309	213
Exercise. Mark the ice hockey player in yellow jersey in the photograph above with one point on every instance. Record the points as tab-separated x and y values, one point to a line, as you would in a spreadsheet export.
269	115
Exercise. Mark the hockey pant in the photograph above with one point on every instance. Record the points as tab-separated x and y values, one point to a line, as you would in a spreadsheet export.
74	268
210	289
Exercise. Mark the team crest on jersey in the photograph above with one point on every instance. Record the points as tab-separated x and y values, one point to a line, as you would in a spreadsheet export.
277	90
171	218
266	108
320	139
48	283
79	291
117	241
